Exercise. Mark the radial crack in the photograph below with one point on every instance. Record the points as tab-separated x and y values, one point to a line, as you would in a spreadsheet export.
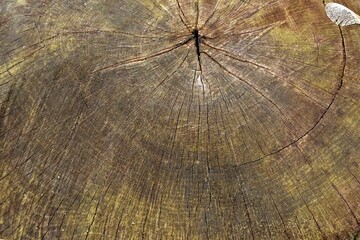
246	82
182	16
228	54
342	74
146	57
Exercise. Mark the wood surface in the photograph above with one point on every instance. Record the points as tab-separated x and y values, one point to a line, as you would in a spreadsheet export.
178	119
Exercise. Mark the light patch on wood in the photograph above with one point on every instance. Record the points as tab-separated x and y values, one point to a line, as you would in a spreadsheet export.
341	15
21	2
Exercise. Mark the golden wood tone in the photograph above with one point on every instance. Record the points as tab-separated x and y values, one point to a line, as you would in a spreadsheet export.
178	119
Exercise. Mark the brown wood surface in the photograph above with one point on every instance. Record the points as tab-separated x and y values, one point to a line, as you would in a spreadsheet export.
117	122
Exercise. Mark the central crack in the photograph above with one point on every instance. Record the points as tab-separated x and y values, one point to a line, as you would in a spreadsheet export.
197	37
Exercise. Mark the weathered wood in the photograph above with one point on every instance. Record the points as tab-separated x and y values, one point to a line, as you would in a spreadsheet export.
181	119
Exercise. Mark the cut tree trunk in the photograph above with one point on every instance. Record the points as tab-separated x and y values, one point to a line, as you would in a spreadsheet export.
178	119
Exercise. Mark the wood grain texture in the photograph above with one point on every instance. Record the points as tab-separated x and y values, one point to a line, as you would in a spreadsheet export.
178	119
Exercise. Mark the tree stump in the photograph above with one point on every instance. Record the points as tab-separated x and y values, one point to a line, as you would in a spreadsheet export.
181	119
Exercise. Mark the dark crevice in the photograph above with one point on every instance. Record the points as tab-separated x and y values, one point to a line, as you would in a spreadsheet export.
197	45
